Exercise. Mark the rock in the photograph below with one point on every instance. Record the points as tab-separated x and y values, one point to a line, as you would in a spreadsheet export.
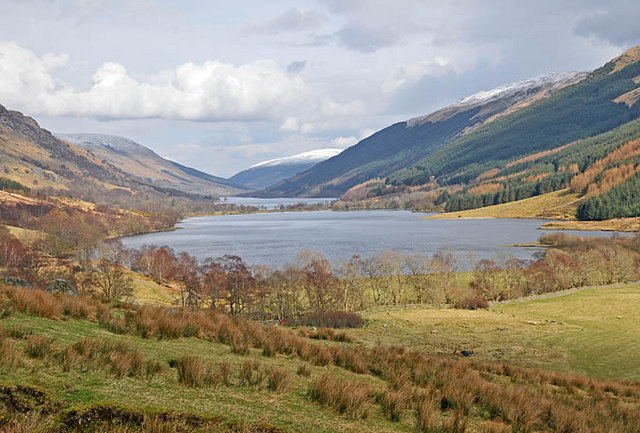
60	285
17	282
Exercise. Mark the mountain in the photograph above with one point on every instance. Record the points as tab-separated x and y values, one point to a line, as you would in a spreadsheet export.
267	173
142	163
31	158
585	137
403	144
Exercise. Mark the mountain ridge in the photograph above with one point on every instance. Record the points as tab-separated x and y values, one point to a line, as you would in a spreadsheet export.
402	144
143	163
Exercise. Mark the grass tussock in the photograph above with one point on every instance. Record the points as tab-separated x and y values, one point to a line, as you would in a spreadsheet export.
192	372
348	397
37	346
251	374
116	357
278	379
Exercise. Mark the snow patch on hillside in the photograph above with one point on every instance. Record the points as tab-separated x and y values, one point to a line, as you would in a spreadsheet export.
301	158
553	80
113	141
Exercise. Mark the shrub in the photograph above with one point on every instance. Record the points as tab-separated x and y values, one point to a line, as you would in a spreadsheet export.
473	302
278	379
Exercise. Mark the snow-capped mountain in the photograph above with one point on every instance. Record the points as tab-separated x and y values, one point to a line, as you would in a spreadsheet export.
403	144
267	173
313	156
532	85
506	95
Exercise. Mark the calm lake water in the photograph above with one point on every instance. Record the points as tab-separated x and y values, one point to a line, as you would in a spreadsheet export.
274	239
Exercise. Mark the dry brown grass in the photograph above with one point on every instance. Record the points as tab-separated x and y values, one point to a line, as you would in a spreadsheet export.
394	402
251	374
35	302
192	372
37	346
347	397
278	379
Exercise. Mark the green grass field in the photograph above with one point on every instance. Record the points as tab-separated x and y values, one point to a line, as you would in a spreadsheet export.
594	332
575	333
289	410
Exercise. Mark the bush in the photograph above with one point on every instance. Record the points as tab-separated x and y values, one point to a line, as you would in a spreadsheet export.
473	302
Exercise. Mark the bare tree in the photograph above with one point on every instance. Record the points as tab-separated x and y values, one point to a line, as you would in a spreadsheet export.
188	277
111	281
417	265
238	285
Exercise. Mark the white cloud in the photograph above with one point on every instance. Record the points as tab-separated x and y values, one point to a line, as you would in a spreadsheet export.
210	91
409	74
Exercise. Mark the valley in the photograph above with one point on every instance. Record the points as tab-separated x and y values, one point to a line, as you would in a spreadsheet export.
472	269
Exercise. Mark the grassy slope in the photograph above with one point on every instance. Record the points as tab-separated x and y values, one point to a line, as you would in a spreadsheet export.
559	205
616	224
290	410
577	333
147	291
554	205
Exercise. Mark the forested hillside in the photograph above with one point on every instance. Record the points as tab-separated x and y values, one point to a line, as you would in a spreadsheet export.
582	136
621	201
589	167
580	111
405	143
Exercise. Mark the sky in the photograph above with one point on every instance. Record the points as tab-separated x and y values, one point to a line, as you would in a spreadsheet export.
221	85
